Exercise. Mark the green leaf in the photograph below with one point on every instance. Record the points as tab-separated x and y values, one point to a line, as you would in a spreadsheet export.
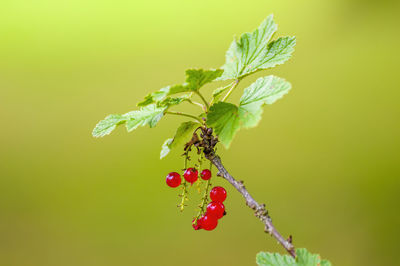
306	258
278	52
149	115
253	51
325	263
227	118
160	95
195	79
303	258
171	101
266	90
106	126
182	135
274	259
165	148
217	93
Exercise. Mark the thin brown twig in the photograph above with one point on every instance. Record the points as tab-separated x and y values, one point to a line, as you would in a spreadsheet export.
259	209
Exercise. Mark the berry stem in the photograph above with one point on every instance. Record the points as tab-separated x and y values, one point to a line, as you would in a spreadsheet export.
259	209
200	160
183	196
184	184
204	199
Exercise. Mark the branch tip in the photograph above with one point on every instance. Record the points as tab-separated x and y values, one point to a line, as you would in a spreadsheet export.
260	210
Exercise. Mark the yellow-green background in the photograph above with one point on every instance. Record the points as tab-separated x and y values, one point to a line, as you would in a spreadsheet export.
325	158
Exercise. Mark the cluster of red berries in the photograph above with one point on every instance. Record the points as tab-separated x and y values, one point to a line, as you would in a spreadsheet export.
215	209
191	175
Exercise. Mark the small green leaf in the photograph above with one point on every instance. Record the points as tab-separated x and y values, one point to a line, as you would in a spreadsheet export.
182	135
252	51
266	90
165	148
227	118
217	93
171	101
106	126
160	95
306	258
325	263
274	259
303	258
149	115
195	79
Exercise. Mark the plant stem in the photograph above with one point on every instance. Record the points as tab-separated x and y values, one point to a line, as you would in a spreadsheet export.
259	209
204	99
204	199
184	188
231	90
183	195
198	104
222	89
199	167
185	114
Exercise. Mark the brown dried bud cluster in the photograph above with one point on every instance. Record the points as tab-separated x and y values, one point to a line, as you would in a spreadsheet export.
207	141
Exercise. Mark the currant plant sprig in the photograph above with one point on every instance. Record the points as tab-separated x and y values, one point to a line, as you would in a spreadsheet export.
218	121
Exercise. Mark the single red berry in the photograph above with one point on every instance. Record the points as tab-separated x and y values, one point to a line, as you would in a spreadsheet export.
191	175
205	174
208	222
216	209
196	224
173	179
199	221
218	194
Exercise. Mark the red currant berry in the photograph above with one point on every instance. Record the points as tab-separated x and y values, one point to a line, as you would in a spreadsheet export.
218	194
208	222
173	179
191	175
216	209
205	174
199	221
196	224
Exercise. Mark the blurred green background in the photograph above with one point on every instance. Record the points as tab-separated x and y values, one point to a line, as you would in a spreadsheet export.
325	159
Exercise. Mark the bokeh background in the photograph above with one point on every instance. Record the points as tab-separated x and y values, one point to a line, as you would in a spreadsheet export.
325	159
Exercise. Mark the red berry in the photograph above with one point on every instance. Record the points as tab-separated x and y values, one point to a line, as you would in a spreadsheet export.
196	225
218	194
173	179
191	175
205	174
216	209
208	222
199	221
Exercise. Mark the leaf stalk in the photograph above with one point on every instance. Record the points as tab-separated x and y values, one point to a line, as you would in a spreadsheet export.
231	90
203	99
